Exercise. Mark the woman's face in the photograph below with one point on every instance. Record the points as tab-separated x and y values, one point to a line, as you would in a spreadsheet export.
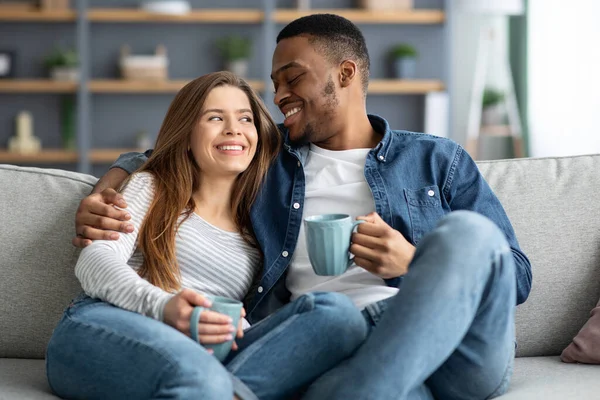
224	139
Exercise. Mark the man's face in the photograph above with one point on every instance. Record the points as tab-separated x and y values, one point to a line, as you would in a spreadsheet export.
305	90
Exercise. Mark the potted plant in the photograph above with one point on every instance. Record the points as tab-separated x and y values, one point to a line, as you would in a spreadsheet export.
63	65
492	111
403	57
235	52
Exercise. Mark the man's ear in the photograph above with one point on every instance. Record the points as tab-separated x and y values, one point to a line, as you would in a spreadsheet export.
348	72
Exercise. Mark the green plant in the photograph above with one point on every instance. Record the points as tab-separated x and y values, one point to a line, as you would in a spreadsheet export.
403	50
62	58
234	47
491	97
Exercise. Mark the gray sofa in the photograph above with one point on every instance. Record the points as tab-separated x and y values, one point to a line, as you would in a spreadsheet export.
553	204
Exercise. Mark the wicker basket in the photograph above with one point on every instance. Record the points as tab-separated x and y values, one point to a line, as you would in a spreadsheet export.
143	67
385	4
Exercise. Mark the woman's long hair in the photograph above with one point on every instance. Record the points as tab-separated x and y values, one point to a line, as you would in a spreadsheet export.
176	176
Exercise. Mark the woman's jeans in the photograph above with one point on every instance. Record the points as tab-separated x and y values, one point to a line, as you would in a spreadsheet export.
99	351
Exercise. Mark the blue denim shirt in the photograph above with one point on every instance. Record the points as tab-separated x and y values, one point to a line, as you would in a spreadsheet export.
401	171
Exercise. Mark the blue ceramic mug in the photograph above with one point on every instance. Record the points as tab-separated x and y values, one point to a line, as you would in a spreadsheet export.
327	241
223	305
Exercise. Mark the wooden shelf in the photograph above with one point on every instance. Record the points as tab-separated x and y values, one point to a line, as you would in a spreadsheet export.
399	86
33	15
108	156
416	16
59	156
376	86
43	157
127	86
205	15
36	86
225	15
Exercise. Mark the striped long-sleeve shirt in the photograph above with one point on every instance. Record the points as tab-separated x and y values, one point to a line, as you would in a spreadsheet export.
212	261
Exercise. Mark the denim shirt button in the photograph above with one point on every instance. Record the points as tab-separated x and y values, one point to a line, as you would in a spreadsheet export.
285	253
298	163
382	158
296	206
260	289
431	193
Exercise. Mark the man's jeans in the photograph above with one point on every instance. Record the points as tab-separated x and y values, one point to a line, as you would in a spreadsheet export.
99	351
448	333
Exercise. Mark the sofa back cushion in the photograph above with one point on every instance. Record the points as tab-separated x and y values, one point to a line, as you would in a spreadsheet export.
37	210
552	203
554	206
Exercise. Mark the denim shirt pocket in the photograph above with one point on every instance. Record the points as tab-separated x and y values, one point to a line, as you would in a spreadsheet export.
424	209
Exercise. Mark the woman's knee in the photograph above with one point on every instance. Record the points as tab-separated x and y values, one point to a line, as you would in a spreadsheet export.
92	360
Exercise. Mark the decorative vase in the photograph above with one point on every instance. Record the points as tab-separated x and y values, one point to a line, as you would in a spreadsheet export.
385	4
303	4
54	5
238	67
492	115
24	142
70	74
143	141
405	67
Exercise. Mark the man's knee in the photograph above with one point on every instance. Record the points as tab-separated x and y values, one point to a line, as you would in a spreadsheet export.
470	223
340	317
469	230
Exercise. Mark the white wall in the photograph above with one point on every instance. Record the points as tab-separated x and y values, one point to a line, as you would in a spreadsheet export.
564	83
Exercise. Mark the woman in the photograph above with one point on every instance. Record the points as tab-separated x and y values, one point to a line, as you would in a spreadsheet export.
128	337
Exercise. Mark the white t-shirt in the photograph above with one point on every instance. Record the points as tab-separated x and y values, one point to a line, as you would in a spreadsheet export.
336	184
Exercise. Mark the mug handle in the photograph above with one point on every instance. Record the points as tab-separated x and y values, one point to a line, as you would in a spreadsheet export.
354	225
194	321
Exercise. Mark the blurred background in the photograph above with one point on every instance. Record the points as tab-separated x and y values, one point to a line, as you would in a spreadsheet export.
82	81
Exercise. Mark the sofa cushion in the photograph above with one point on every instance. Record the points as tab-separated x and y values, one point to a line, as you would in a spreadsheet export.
37	209
550	379
554	208
534	378
24	380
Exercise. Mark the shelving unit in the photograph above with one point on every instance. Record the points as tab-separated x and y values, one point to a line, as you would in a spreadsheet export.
268	17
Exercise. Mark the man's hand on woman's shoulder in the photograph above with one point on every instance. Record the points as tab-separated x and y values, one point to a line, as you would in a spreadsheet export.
97	218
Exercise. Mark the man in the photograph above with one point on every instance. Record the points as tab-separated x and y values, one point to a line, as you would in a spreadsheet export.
435	230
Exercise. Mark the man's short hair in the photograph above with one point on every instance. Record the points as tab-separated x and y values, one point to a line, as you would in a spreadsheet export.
336	37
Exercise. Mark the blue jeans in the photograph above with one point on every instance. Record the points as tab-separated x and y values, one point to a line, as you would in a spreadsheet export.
100	351
448	333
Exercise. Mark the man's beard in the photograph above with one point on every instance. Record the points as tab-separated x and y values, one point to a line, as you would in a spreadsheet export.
304	138
310	134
